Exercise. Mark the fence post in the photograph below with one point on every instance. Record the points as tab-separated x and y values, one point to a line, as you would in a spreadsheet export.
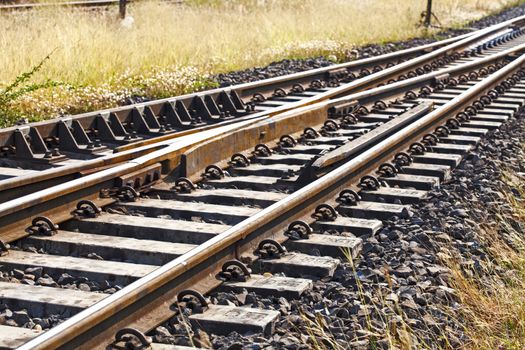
428	14
122	8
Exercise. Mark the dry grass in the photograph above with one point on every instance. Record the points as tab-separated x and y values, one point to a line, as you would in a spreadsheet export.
495	312
494	307
103	61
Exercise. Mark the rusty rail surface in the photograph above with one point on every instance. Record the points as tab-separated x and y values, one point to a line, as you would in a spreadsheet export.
147	300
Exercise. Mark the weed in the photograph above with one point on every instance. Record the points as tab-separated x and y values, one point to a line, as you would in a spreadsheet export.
19	88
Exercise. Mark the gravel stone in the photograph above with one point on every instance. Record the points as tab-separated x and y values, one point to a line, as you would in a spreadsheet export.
18	274
47	281
65	278
84	287
35	271
21	317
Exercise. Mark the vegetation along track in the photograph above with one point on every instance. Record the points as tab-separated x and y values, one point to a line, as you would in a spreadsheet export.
233	198
38	155
81	3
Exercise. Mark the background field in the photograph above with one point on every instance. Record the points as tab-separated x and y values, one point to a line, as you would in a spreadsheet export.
168	49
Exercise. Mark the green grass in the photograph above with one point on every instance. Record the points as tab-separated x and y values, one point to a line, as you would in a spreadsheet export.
172	49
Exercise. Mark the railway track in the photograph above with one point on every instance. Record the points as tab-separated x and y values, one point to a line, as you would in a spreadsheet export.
264	204
38	155
266	201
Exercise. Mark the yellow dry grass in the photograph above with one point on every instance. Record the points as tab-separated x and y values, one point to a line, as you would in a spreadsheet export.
494	308
91	47
94	49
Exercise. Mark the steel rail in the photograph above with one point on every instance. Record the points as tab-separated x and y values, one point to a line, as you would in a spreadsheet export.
27	201
198	162
14	214
60	174
151	296
269	85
